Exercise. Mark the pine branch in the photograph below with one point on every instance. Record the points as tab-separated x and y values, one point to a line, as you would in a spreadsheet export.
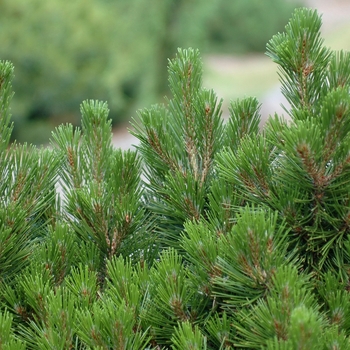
6	76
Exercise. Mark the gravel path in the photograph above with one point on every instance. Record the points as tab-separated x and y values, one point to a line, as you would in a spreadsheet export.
335	13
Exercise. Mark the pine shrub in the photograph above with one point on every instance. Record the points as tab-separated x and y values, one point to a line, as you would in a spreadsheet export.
211	235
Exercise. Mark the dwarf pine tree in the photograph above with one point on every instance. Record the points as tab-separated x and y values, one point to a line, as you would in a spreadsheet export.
211	235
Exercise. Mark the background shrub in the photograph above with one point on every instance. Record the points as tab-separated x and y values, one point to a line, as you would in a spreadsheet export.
65	52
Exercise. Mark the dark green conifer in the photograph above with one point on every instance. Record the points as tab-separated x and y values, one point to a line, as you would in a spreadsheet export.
210	235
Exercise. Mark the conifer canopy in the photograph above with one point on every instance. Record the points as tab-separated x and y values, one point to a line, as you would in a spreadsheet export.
210	235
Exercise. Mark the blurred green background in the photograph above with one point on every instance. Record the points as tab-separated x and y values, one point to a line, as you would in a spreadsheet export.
117	50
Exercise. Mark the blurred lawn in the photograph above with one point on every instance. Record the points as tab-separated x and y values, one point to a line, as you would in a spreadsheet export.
238	77
339	39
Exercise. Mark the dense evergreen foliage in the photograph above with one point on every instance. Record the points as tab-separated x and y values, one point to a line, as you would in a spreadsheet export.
65	52
211	235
